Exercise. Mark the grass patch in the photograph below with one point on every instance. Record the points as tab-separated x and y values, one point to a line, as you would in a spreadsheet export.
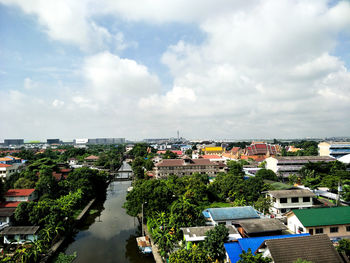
93	211
219	204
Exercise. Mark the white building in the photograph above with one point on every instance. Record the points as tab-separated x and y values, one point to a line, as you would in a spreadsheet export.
285	200
7	169
197	234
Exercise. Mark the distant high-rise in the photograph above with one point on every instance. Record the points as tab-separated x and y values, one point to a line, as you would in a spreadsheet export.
53	141
8	142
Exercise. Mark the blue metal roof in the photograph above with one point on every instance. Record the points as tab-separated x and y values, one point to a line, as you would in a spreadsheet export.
232	213
206	214
234	249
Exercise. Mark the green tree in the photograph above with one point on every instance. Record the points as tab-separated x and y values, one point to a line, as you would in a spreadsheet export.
64	258
263	204
214	242
163	233
24	183
185	214
344	247
267	174
248	257
193	255
47	184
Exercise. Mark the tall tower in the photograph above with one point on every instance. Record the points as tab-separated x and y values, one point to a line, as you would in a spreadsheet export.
178	136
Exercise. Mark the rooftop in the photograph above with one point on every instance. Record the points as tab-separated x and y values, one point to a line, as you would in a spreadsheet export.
19	192
200	231
323	216
9	204
316	248
182	162
261	225
292	193
20	230
4	212
234	249
5	165
232	213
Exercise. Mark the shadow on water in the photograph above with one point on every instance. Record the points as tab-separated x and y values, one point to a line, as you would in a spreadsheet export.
108	235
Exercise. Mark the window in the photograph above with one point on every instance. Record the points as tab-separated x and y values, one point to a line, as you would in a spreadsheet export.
334	229
347	228
311	231
222	223
283	210
295	199
319	231
283	200
306	199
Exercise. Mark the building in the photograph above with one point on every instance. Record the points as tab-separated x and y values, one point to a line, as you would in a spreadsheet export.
20	195
53	141
234	249
285	200
213	150
181	167
106	141
91	159
6	170
261	149
287	165
15	142
260	227
316	249
334	221
197	234
334	149
6	215
229	215
19	234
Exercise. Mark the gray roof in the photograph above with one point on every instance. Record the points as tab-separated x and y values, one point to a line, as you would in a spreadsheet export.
20	230
200	231
303	159
232	213
262	225
5	212
316	248
292	193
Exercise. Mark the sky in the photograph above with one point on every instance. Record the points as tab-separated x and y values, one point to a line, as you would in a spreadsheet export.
139	69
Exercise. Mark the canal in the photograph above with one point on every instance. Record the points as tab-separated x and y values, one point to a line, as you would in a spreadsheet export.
109	234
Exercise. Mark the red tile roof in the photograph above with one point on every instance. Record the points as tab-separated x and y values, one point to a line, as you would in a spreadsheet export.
174	151
19	192
5	165
92	157
9	204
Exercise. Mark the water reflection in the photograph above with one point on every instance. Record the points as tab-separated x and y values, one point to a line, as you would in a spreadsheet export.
109	236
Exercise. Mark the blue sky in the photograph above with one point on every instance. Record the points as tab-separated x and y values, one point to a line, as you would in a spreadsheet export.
139	69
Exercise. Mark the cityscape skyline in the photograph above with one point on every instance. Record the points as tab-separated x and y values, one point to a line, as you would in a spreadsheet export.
211	69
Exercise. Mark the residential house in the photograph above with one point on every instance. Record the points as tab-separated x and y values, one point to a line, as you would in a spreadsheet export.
316	249
334	149
286	200
6	215
234	249
229	215
20	195
196	234
287	165
232	154
181	167
19	234
6	170
91	159
334	221
260	227
72	161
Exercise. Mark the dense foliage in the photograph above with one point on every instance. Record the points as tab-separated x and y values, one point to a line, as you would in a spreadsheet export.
248	257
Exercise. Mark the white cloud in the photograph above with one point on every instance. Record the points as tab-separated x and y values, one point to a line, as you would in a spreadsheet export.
29	84
266	68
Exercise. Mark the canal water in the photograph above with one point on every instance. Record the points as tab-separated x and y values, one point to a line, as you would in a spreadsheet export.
110	234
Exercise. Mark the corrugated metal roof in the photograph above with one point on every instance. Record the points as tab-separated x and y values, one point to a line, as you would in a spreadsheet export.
232	213
234	249
323	216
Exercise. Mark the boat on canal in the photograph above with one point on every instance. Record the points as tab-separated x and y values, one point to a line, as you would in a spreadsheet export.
144	244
